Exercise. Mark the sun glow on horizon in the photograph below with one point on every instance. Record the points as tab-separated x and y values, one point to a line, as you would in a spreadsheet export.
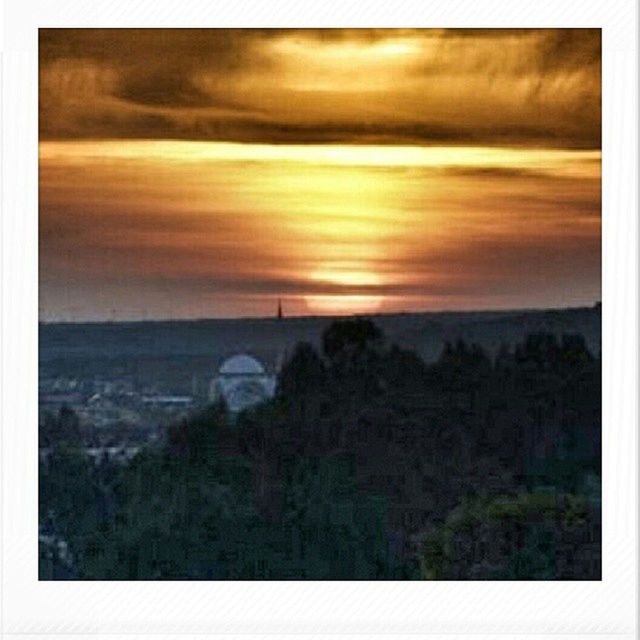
342	229
347	276
343	304
346	303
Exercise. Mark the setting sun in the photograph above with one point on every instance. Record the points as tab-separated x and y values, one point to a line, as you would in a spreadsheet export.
343	304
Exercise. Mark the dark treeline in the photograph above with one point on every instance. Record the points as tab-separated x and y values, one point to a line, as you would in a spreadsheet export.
367	464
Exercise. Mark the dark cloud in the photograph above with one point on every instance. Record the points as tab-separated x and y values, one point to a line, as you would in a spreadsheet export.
507	87
166	87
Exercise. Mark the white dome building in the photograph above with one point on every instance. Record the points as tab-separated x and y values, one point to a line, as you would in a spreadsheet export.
241	365
242	382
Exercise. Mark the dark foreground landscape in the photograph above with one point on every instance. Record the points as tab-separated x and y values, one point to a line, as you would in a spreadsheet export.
415	446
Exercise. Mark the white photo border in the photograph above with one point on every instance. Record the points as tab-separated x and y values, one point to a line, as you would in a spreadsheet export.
606	607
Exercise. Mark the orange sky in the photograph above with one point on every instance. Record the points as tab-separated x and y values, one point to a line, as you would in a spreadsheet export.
207	173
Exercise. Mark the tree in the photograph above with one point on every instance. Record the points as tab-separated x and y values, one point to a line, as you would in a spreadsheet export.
354	350
403	370
348	339
196	438
304	374
574	351
61	430
536	535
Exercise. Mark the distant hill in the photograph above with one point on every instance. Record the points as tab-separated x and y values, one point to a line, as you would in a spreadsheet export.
173	352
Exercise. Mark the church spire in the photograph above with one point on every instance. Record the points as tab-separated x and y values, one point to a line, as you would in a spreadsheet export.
279	309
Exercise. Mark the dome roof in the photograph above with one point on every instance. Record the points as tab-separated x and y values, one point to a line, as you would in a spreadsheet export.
241	365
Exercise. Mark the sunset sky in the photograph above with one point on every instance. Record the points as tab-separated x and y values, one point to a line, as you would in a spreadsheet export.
207	173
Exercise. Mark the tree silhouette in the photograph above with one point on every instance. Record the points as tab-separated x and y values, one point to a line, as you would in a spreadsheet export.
348	339
303	374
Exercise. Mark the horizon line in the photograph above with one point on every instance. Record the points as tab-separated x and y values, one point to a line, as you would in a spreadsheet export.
596	304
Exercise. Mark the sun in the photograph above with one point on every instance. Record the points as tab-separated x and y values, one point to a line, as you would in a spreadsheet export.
343	304
349	276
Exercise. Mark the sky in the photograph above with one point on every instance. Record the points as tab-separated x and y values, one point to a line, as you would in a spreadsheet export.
209	173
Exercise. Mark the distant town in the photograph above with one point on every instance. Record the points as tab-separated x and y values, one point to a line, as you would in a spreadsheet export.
128	382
